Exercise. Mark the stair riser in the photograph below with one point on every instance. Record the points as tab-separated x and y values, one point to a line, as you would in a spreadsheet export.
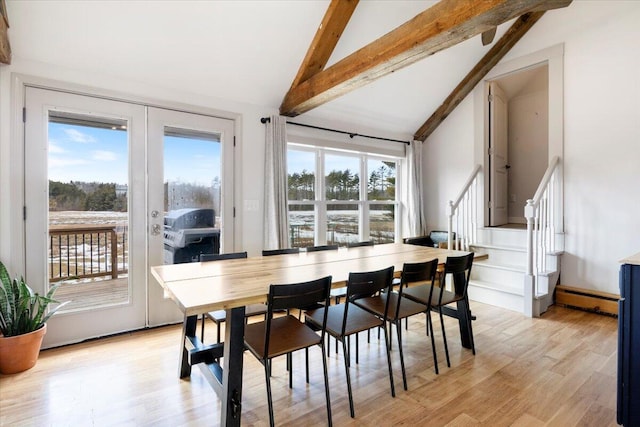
496	298
502	237
504	256
509	278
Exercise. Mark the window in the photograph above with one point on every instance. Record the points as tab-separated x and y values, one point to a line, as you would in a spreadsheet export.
329	203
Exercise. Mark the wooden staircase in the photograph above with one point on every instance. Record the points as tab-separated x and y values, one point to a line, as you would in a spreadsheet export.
499	279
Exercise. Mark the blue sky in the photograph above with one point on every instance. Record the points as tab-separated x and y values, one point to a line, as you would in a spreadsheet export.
82	153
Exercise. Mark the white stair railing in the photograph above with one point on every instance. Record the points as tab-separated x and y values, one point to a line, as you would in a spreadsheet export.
541	213
463	214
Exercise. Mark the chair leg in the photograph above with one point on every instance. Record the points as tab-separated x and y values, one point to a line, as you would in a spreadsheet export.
218	332
399	331
433	341
204	316
290	362
346	367
306	361
326	384
386	344
444	338
267	372
357	350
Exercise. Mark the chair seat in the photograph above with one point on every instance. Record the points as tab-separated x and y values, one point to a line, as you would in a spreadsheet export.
291	335
421	294
220	316
358	319
377	304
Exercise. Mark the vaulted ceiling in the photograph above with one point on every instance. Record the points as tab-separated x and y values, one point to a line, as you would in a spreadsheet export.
381	73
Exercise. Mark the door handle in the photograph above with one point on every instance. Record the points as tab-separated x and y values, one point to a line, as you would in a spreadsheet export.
155	229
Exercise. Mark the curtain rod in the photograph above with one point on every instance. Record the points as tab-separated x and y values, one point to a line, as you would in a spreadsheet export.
351	134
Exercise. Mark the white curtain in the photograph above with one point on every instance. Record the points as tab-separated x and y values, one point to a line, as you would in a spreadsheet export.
416	219
276	219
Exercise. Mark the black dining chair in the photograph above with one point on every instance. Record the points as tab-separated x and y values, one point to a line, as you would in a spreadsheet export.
271	252
401	307
278	336
339	293
220	316
346	319
459	269
321	248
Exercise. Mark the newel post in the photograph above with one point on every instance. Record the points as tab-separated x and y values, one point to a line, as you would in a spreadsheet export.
529	280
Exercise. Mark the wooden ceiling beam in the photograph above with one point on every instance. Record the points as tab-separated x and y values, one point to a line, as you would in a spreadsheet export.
477	73
324	42
445	24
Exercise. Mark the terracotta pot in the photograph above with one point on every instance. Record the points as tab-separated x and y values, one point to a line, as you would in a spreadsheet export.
21	352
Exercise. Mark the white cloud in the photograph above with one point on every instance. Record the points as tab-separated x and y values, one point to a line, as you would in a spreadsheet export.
104	156
56	162
77	136
54	148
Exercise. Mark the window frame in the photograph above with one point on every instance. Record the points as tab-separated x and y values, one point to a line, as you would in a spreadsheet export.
320	202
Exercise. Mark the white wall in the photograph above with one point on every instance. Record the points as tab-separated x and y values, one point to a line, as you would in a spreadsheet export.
601	138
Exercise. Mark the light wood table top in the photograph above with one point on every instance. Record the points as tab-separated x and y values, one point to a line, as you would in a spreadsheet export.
207	286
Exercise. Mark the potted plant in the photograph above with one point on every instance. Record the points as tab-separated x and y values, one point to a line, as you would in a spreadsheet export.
23	317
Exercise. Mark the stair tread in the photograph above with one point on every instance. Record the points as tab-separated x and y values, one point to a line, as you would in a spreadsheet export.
500	247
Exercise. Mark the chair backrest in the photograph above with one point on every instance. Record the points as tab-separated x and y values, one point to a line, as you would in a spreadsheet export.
322	248
367	284
218	257
419	271
424	272
460	269
280	251
358	244
297	295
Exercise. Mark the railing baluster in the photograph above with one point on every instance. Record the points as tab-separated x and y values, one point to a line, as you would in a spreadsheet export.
465	211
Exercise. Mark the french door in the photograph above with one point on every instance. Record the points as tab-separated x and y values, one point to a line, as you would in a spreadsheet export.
104	182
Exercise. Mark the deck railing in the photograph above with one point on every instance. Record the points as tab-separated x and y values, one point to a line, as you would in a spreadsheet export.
463	214
82	251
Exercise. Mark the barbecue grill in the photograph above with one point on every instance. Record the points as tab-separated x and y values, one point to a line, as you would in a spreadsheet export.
189	233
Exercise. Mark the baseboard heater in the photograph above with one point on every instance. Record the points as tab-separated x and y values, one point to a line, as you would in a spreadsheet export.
587	299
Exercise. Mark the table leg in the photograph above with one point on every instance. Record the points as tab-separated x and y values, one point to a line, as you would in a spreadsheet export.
233	365
463	320
188	332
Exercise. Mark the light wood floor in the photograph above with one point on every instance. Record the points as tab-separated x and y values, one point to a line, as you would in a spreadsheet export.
556	370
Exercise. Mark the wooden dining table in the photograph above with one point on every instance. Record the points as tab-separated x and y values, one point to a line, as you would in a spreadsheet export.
230	285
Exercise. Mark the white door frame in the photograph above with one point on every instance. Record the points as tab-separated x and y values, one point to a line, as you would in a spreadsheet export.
16	198
554	58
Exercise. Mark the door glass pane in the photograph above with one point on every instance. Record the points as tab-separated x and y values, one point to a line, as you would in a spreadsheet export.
382	223
342	179
192	195
382	180
88	209
342	224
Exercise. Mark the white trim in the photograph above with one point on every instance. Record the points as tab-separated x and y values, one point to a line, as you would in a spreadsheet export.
20	81
554	58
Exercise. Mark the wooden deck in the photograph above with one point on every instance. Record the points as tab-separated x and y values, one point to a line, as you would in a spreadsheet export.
94	294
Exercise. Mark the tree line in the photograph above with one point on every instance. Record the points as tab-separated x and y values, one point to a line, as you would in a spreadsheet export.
345	185
85	196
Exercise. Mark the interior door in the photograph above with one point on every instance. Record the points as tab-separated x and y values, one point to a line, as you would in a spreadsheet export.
190	194
82	193
498	156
